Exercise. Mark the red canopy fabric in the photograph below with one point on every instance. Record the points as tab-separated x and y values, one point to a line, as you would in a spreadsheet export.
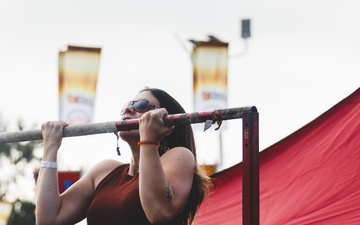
310	177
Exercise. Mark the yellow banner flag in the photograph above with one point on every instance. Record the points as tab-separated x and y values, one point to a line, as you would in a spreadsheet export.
78	73
210	66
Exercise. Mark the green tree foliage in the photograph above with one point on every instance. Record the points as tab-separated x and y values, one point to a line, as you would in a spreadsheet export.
14	161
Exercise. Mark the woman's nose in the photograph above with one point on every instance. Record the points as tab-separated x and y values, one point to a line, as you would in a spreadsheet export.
128	109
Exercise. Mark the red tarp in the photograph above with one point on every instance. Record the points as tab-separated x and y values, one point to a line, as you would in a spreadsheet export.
310	177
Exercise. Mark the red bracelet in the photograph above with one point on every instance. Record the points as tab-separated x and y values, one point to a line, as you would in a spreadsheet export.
148	143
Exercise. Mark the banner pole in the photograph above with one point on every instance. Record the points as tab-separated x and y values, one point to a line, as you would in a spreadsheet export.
132	124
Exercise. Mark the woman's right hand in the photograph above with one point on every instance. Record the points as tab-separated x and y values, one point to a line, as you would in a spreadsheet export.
152	127
52	133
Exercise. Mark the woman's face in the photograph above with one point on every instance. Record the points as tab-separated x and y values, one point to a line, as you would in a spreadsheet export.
143	102
135	109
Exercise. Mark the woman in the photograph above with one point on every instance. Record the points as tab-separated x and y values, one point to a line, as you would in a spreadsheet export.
162	184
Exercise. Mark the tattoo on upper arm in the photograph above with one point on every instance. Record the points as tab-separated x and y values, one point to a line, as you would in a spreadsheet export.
170	193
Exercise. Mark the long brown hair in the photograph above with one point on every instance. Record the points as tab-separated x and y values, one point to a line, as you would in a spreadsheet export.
183	136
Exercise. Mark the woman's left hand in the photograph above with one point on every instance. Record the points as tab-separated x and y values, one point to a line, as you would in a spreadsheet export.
151	126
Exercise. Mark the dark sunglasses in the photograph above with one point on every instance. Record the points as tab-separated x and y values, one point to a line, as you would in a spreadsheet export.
141	105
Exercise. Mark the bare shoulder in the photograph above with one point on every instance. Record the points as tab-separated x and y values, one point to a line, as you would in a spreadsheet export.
178	157
101	169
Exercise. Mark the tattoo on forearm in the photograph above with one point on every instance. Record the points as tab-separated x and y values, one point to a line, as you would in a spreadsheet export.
170	193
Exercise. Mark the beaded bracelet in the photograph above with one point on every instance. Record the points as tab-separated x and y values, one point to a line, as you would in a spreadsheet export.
148	143
50	165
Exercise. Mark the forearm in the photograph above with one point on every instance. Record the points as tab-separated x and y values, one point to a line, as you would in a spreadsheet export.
48	201
156	194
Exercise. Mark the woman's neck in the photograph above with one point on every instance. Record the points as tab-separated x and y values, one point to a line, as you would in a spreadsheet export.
134	161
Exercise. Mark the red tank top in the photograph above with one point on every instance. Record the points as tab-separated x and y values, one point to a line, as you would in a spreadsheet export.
116	200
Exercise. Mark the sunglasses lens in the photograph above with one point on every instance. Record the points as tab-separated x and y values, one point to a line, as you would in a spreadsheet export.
141	105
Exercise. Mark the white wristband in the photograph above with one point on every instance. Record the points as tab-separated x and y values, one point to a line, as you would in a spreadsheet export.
51	165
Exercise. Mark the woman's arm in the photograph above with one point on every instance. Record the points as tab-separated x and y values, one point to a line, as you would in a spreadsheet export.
71	206
51	208
48	201
164	183
68	208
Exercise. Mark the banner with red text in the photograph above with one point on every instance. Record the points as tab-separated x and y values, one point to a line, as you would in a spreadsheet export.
78	73
210	68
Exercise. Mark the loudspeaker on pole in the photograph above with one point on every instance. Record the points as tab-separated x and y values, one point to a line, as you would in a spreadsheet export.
245	28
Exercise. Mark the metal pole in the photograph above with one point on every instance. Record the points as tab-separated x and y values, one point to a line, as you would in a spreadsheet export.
250	182
132	124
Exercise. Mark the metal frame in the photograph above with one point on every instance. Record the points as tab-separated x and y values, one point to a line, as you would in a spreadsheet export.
250	165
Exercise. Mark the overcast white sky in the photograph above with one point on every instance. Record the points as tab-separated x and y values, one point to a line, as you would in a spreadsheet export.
302	58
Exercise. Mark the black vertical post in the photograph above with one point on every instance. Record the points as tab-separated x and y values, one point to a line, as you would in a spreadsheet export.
250	192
